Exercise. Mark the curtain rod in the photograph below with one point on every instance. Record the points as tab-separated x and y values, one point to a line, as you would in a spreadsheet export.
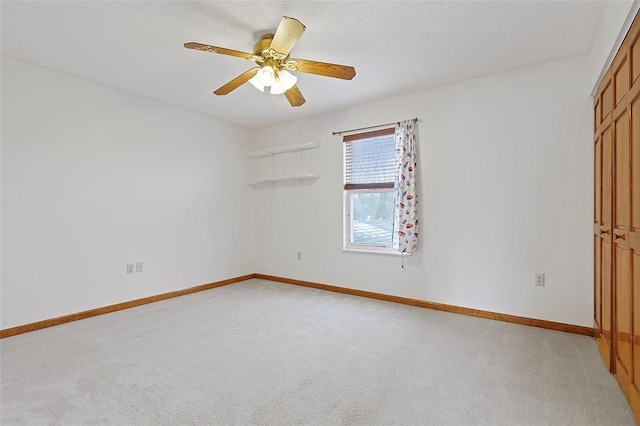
369	127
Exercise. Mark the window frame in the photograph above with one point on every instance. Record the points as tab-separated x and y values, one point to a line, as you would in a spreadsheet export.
348	245
350	189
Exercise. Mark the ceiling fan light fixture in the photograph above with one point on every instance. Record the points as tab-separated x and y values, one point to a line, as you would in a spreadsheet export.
271	56
266	76
284	82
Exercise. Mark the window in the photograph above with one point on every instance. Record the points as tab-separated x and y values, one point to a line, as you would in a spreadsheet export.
369	172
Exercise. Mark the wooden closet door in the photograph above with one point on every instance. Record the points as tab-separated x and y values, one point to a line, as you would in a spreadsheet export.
634	241
603	197
621	205
597	244
603	323
620	244
617	217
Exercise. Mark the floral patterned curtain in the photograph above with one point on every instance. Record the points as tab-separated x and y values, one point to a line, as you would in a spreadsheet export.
405	219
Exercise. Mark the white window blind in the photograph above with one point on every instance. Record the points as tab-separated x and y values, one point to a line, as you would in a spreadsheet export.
369	160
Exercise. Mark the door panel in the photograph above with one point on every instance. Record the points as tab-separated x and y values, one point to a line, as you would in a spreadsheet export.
635	58
635	163
621	173
607	99
597	187
635	258
606	327
597	311
623	312
621	78
607	198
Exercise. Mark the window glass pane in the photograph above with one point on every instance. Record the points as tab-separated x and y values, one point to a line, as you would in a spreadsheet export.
372	218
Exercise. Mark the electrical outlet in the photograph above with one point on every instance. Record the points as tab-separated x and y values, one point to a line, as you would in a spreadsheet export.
130	268
540	279
299	255
138	267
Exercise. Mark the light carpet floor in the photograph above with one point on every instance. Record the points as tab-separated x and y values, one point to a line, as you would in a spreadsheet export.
259	352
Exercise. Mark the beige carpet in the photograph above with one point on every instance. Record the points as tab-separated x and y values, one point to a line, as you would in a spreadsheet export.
259	352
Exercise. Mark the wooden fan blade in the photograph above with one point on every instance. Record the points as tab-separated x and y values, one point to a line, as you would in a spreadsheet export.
294	96
223	51
237	82
287	34
321	68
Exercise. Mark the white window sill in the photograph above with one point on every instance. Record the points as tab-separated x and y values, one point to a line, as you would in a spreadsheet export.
375	251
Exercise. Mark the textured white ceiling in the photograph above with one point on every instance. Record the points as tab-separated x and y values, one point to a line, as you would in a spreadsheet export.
397	47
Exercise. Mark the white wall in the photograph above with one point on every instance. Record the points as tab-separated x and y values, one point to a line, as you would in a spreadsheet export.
94	178
506	181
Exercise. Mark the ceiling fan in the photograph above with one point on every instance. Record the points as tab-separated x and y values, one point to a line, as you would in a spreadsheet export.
271	54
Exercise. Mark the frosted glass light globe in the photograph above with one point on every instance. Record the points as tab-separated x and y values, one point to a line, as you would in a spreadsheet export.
266	76
256	83
284	82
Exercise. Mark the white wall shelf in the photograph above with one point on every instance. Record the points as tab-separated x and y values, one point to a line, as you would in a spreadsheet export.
256	182
282	149
272	152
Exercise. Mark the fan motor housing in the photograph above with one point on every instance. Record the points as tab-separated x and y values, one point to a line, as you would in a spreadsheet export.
263	45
